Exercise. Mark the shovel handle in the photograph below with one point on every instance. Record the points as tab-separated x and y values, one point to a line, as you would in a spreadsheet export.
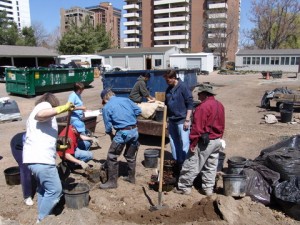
65	140
162	155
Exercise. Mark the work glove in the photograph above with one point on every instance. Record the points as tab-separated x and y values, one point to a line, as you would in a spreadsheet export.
64	108
61	145
223	143
84	165
95	142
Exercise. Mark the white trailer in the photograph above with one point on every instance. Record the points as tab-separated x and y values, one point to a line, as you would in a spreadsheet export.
83	60
201	61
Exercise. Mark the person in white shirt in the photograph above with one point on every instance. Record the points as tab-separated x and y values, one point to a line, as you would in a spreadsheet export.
39	151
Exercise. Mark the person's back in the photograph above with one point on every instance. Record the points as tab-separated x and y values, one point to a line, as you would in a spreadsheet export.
140	91
120	112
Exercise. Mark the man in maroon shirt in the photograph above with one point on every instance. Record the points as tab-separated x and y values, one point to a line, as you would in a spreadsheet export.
206	132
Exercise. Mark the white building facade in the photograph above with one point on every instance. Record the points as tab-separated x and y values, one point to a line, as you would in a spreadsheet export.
18	11
286	60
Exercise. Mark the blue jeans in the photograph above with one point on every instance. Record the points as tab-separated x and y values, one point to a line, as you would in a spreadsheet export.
127	136
49	187
82	152
179	141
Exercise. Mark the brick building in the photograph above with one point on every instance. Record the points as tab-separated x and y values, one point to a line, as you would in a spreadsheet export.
191	25
104	13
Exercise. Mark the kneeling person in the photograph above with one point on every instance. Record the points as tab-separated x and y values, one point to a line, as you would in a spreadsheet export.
78	151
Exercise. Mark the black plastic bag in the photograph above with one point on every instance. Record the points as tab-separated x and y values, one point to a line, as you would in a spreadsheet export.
285	161
259	183
287	195
288	191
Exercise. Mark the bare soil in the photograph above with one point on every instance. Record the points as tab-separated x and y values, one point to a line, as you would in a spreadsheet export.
245	136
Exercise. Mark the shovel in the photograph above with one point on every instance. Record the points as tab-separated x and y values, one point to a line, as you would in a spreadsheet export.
64	145
161	169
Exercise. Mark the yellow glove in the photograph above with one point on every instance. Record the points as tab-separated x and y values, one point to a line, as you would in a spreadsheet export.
64	108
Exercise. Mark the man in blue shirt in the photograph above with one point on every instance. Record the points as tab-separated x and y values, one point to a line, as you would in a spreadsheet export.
179	100
120	114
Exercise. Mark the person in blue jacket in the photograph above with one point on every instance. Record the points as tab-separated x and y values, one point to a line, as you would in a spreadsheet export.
120	114
179	102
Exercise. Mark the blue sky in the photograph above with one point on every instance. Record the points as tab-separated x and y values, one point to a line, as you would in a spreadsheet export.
48	12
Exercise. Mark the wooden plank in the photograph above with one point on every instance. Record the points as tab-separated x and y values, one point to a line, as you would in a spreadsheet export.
287	97
160	96
151	127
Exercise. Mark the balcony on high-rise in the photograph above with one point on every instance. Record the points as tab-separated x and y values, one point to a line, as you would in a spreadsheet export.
131	6
130	15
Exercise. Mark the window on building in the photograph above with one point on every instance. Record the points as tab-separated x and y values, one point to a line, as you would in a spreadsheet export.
244	60
293	60
297	60
157	62
255	60
248	61
274	60
284	60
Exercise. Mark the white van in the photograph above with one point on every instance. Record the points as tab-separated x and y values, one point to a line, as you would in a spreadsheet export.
82	60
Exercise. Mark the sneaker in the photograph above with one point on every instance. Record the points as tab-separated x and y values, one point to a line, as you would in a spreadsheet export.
181	191
28	201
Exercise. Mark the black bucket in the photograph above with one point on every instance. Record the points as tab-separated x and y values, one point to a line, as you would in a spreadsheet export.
12	175
222	156
151	158
77	195
286	116
236	164
234	185
159	114
289	106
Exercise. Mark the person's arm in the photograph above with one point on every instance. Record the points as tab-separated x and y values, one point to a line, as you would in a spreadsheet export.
45	114
151	99
83	108
187	121
71	158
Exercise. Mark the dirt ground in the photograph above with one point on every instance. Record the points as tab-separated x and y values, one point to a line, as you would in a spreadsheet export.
245	136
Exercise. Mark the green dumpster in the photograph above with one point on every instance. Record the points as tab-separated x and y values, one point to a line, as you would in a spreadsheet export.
29	82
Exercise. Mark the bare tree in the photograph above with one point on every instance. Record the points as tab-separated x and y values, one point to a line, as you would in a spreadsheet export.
53	39
40	33
276	23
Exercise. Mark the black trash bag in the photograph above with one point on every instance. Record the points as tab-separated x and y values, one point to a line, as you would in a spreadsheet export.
293	142
288	190
265	101
259	183
285	161
287	195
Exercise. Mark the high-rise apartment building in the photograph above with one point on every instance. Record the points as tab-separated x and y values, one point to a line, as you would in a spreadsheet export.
74	15
104	14
18	11
191	25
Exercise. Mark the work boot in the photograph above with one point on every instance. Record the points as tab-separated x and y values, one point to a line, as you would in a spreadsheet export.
131	173
114	151
130	156
112	178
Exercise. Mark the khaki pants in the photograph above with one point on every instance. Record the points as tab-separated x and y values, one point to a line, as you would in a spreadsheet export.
204	161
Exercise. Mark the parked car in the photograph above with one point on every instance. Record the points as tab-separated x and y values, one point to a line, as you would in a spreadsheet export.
2	72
